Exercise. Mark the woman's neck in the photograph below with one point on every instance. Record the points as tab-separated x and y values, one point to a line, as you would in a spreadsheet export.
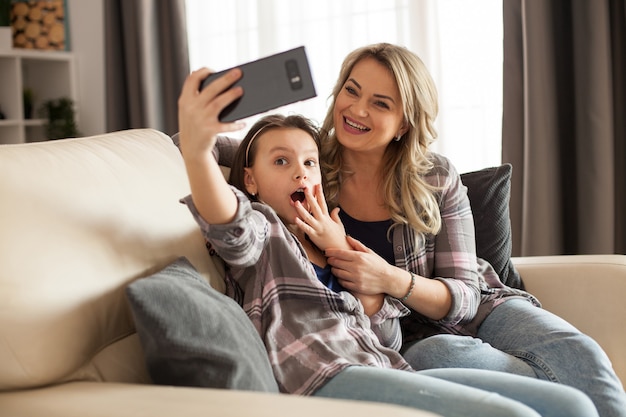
363	165
361	193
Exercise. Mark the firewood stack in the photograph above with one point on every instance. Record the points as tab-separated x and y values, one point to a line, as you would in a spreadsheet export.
38	24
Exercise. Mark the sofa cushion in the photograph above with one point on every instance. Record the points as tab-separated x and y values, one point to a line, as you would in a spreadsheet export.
489	191
193	335
79	220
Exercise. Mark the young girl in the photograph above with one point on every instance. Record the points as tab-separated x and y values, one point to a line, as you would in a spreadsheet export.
319	341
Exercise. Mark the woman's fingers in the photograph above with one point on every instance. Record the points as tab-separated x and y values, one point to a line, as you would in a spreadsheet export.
358	246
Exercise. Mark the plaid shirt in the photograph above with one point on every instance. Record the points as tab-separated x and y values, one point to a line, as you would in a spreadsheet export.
310	332
450	257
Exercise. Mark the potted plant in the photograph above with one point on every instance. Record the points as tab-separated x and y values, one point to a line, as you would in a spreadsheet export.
28	97
61	118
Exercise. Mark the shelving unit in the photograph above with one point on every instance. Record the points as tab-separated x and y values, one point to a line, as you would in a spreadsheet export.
49	74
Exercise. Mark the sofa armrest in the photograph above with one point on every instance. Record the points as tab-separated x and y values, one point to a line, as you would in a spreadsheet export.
586	290
98	399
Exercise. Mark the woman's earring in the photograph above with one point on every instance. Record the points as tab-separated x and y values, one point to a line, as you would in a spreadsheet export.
397	138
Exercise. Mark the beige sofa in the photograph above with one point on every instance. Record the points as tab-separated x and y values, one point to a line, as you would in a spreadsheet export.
82	218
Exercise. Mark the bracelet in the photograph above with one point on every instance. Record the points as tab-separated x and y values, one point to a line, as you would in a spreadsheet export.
410	291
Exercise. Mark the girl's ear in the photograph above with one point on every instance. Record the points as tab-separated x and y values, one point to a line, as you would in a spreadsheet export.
249	182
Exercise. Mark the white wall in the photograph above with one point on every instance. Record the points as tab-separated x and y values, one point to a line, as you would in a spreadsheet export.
87	43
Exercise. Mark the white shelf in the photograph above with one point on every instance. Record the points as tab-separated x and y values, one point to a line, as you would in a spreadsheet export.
49	74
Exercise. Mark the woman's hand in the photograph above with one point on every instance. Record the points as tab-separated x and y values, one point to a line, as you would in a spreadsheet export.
361	270
198	111
324	229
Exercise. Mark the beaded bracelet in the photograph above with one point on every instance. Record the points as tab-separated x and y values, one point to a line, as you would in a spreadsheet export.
410	291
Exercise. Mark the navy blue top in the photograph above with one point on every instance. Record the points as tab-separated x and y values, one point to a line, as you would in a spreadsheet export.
371	234
327	278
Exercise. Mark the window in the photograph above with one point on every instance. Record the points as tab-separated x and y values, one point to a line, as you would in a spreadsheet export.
459	41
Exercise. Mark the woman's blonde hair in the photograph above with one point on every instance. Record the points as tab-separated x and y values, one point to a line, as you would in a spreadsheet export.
408	197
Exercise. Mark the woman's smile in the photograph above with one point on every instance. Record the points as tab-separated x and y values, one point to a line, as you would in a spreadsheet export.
352	126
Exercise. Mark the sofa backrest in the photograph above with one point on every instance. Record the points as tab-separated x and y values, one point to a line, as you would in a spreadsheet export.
79	220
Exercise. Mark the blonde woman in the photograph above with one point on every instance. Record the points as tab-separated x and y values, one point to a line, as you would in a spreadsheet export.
409	210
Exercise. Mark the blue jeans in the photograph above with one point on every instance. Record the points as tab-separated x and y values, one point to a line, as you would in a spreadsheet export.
460	392
522	339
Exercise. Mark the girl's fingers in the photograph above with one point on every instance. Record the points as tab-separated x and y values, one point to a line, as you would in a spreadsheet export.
304	216
317	203
215	95
220	102
314	206
300	209
219	84
320	198
210	102
192	83
334	215
302	225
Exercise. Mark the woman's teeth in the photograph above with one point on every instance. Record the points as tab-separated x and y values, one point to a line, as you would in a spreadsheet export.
356	125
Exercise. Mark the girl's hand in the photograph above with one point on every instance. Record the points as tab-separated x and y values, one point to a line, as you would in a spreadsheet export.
198	111
361	270
325	230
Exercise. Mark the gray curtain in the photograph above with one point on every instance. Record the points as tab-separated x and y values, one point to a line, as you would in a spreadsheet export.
147	61
564	125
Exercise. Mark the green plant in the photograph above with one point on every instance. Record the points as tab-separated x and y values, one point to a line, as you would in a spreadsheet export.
61	118
29	99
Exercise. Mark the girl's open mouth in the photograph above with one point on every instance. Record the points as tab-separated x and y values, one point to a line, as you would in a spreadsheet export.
297	196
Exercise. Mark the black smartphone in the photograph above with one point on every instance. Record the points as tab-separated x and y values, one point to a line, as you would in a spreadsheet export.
269	82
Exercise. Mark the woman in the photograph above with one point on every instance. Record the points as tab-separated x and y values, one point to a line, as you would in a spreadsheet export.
409	206
319	341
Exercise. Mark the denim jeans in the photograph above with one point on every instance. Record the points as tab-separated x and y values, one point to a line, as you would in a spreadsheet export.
522	339
460	392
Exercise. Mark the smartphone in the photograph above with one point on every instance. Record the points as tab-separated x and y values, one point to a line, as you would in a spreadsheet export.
269	82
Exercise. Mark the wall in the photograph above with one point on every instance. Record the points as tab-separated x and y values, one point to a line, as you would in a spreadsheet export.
87	43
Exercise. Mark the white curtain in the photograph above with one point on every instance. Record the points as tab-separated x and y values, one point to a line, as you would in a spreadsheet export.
459	42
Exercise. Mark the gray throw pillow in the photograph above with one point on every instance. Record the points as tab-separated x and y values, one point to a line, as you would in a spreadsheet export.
193	335
489	193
